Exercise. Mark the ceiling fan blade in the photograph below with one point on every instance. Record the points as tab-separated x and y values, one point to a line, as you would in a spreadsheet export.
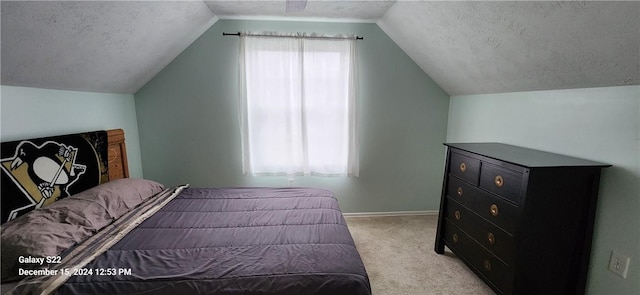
296	5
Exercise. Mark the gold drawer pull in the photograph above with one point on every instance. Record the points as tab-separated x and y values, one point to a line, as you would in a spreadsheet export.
498	181
493	209
487	265
463	167
455	238
491	238
457	215
460	192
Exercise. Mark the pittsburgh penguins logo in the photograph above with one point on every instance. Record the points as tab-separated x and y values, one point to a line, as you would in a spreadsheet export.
36	173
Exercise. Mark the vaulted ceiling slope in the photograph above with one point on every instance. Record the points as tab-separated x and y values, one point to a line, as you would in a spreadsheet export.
491	47
466	47
96	46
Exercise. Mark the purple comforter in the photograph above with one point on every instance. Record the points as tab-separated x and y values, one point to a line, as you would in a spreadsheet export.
234	241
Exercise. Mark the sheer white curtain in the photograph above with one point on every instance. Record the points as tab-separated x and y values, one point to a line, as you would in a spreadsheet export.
298	105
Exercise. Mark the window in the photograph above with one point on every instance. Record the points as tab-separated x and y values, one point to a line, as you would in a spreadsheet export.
297	106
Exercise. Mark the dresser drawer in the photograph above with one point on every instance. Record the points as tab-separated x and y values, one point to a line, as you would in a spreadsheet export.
483	262
492	238
501	181
496	210
464	167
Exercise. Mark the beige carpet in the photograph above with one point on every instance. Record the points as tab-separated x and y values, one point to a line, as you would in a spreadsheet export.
399	258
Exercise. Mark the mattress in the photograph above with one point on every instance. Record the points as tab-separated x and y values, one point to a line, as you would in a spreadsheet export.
232	241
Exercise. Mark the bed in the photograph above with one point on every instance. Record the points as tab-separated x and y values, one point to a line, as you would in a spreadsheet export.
135	236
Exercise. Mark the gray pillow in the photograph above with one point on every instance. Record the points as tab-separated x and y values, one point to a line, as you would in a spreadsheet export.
119	196
53	229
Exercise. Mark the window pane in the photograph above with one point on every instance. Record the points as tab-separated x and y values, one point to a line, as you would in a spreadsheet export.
297	105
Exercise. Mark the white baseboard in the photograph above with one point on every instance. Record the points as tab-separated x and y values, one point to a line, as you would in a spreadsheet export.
395	213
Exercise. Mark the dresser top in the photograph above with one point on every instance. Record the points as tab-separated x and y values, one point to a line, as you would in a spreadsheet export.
523	156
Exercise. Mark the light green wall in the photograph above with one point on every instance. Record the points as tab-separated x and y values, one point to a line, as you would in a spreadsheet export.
189	129
600	124
36	112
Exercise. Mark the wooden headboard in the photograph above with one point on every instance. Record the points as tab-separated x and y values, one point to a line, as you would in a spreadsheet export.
117	155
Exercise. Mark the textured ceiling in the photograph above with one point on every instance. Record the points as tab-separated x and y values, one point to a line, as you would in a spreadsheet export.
347	10
466	47
98	46
491	47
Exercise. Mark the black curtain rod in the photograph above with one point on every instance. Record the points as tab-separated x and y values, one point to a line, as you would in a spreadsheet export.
238	34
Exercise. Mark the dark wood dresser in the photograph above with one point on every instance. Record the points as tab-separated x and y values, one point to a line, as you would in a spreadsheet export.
521	219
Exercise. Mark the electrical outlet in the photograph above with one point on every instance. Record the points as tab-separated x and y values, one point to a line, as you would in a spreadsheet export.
619	264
